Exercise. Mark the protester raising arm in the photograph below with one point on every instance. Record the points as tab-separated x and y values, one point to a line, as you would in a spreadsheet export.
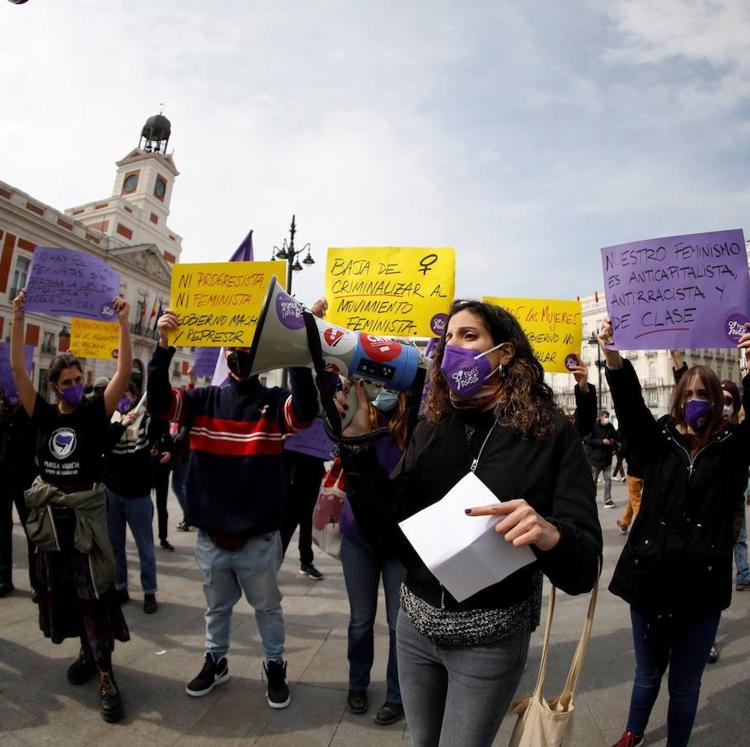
121	377
25	386
585	394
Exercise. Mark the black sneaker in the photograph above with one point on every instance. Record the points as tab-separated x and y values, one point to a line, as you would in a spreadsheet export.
213	673
122	596
389	713
308	569
277	691
149	604
356	701
183	526
609	504
166	545
6	587
109	695
82	669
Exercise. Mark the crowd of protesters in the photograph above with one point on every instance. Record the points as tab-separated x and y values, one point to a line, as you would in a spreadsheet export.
81	471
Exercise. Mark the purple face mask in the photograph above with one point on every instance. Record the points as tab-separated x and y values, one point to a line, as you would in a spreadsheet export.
124	405
71	395
465	370
697	413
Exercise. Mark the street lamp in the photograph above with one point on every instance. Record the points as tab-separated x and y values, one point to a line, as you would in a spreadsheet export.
599	363
290	254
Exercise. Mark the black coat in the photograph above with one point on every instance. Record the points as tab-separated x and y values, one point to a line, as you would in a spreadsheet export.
600	455
678	558
552	476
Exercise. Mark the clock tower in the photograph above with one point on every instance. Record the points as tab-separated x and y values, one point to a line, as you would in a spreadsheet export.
138	209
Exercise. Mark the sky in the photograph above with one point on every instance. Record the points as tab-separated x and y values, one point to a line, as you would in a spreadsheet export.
527	135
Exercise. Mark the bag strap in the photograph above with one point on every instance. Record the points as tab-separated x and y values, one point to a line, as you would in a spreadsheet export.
537	694
566	696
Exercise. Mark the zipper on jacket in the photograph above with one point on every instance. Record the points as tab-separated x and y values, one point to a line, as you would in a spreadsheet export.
442	597
691	460
91	573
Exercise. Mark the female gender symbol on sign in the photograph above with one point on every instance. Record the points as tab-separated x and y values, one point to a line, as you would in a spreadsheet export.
426	263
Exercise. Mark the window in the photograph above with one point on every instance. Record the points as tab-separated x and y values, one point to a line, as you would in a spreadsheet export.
20	275
48	343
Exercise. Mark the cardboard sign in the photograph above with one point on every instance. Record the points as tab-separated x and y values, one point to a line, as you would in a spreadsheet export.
204	361
552	326
64	282
7	382
218	303
92	339
402	292
689	291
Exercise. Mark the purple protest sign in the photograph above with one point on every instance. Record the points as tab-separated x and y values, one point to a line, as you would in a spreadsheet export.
689	291
7	382
65	282
312	441
204	361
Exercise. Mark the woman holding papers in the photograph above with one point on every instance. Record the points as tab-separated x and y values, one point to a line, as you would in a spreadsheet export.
68	509
491	417
676	568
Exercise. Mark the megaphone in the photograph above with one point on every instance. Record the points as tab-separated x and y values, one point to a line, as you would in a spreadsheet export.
280	341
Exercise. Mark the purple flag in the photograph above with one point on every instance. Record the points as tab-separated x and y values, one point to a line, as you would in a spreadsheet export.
689	291
7	382
65	282
204	361
244	252
312	441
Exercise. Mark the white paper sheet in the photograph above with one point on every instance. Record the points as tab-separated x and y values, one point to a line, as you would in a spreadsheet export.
464	552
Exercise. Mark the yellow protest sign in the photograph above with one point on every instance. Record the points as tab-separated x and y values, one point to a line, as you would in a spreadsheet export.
399	291
552	326
92	339
218	303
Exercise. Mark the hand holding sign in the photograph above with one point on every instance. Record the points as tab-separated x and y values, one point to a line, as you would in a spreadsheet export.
606	341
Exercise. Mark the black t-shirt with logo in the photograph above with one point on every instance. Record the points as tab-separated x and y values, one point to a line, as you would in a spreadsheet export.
69	446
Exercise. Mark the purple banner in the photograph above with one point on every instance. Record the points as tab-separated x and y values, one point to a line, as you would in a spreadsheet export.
204	361
688	291
64	282
312	441
7	382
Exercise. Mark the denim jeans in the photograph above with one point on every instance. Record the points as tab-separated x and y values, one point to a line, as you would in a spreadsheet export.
179	474
138	514
682	645
362	571
457	696
226	575
607	474
740	553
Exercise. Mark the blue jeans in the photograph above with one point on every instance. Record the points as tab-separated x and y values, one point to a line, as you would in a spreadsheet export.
362	571
740	553
138	514
226	575
179	474
684	646
457	696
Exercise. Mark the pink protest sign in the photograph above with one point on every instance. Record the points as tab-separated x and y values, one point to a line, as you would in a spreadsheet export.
65	282
689	291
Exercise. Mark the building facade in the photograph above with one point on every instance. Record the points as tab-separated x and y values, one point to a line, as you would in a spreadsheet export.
128	230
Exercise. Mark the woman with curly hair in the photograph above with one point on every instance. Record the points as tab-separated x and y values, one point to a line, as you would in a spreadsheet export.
488	411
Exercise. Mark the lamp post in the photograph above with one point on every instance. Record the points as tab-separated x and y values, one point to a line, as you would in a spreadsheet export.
288	253
599	363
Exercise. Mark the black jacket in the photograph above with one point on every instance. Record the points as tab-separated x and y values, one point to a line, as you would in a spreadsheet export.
600	455
585	415
678	558
552	476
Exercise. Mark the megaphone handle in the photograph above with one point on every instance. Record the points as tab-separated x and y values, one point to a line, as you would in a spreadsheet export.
316	352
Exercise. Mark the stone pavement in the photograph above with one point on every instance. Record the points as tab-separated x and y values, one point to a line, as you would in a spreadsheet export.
39	707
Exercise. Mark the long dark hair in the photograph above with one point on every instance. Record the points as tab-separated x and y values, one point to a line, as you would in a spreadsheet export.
61	362
525	403
715	397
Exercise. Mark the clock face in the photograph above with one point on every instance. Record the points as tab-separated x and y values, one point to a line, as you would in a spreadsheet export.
130	183
160	187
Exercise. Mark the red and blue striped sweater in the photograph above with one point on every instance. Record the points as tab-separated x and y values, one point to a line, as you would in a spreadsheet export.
234	477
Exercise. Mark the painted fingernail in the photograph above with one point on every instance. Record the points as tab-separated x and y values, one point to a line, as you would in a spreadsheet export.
467	511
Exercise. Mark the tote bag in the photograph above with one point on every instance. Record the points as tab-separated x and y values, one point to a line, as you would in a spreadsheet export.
549	723
326	520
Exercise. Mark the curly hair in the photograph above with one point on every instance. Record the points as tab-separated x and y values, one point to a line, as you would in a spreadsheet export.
525	402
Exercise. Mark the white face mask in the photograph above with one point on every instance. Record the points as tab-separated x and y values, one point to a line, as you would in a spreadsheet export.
605	421
728	411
